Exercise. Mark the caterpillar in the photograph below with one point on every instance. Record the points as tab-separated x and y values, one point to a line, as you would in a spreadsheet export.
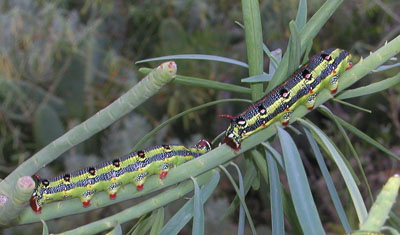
109	176
322	71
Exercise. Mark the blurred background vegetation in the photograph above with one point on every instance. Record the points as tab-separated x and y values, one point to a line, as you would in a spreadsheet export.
61	61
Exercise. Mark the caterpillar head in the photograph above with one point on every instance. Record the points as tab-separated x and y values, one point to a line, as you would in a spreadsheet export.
235	133
203	146
37	195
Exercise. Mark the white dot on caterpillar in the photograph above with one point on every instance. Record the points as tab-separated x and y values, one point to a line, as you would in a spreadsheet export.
230	135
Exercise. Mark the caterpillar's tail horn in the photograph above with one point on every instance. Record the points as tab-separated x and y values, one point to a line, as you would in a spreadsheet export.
226	116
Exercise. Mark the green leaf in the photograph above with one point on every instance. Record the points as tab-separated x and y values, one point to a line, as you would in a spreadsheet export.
386	67
198	210
278	226
275	154
329	182
157	221
197	57
277	55
370	89
294	48
183	216
117	230
45	228
143	225
327	112
365	137
355	194
242	201
274	58
352	105
249	177
257	78
241	210
299	187
301	17
308	32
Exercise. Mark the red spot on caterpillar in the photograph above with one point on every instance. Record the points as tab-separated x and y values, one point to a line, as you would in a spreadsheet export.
310	108
349	66
226	116
334	72
287	109
163	174
139	187
311	91
334	91
35	207
112	196
285	123
86	203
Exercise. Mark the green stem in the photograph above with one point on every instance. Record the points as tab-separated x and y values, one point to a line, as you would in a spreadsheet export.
142	208
254	43
105	117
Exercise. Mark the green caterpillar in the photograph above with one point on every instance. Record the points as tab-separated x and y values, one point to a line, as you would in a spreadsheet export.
321	71
111	175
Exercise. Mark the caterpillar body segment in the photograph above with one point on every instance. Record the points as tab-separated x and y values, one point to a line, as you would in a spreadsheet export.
322	71
109	176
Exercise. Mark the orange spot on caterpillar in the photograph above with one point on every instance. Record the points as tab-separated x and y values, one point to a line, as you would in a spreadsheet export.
86	203
310	108
139	187
112	196
334	71
287	109
349	66
311	91
285	123
334	91
163	174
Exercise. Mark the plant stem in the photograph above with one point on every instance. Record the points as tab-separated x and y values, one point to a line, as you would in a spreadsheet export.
254	43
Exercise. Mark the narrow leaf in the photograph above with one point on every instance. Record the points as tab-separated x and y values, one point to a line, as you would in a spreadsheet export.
294	48
257	78
45	228
185	214
301	17
278	226
299	187
198	215
197	57
329	182
365	137
242	201
249	177
158	221
241	210
370	89
386	67
324	109
117	230
355	194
